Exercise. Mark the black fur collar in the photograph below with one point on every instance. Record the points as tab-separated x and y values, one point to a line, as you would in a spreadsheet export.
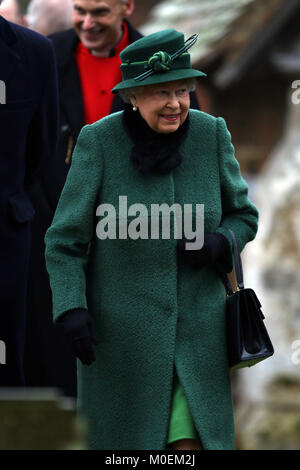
153	152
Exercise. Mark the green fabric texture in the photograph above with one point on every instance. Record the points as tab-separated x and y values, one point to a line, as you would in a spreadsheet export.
151	313
181	424
153	52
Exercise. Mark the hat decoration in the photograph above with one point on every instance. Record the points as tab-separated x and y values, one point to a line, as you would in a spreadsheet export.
158	58
162	61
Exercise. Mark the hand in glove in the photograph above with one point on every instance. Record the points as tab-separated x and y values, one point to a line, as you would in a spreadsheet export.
214	246
80	330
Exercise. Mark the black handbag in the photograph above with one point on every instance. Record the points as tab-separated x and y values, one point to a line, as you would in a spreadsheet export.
248	341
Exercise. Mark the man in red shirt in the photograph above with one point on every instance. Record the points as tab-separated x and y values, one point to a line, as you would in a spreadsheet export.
99	50
88	58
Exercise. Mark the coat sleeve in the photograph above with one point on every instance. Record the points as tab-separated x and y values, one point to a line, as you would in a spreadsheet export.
238	212
73	226
42	136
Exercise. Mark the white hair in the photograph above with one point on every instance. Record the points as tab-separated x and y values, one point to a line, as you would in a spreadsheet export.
128	92
50	16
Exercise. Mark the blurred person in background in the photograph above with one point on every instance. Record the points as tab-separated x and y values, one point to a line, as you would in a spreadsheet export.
12	11
28	136
49	16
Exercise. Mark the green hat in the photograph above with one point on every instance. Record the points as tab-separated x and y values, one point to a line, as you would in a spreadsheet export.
158	58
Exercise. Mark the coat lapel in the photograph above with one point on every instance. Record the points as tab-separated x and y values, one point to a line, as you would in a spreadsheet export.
69	82
71	96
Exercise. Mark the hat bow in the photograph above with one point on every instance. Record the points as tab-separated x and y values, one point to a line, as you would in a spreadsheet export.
162	61
159	62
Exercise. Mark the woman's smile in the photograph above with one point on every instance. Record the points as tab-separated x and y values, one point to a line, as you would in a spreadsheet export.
171	117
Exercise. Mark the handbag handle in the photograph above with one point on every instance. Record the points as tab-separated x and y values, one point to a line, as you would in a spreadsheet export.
238	267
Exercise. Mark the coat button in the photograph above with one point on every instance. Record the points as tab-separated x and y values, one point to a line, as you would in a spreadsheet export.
64	128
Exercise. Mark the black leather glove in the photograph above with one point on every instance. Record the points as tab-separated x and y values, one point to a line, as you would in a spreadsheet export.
79	329
214	246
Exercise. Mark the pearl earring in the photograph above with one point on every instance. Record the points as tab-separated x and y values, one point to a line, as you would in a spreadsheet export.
134	108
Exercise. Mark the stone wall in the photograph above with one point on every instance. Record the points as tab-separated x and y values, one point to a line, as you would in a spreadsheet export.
269	393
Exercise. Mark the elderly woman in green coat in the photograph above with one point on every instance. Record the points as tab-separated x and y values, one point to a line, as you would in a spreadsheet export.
145	315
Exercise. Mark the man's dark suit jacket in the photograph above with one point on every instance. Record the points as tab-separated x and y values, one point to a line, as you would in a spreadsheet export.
54	365
28	139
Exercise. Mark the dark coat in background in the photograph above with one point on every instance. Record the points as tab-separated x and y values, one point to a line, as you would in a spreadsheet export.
28	136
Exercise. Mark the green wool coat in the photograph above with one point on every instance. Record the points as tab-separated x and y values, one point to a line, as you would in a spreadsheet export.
151	313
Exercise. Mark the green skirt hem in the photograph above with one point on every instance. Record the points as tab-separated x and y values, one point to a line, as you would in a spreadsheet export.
181	425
